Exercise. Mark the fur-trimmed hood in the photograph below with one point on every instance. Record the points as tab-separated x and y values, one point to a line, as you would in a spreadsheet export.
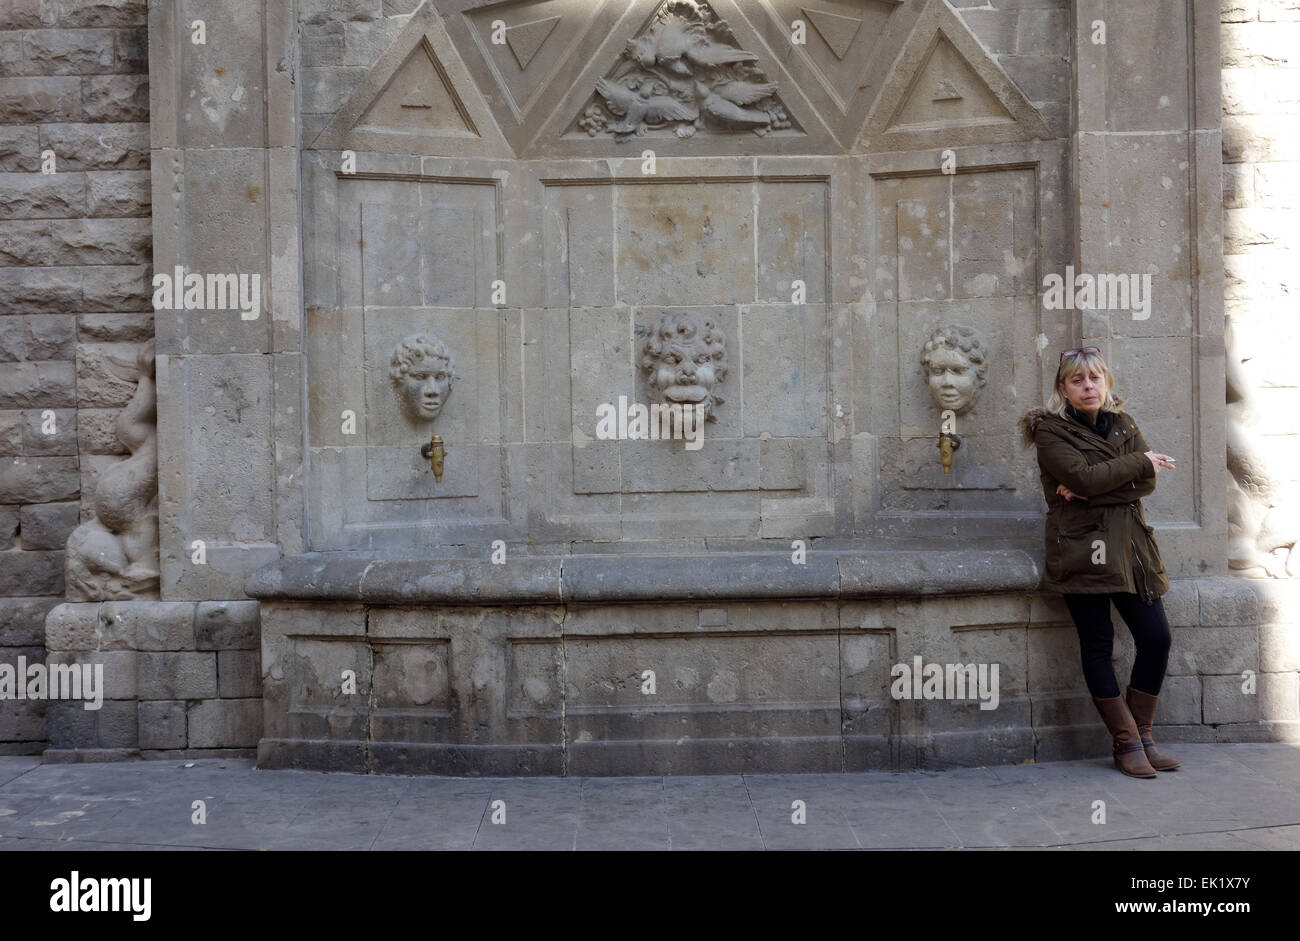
1030	421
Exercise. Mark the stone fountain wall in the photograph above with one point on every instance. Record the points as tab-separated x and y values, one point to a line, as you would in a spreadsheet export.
489	221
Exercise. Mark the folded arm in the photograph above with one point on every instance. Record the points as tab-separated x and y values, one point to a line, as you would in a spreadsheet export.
1065	463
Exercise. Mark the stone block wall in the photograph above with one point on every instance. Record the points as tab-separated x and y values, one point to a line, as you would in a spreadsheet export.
180	677
74	301
1030	39
747	686
1261	209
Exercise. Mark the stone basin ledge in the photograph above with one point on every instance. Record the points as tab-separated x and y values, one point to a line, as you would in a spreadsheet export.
628	579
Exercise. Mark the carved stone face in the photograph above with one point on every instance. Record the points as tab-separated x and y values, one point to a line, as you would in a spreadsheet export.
684	360
952	380
954	364
421	373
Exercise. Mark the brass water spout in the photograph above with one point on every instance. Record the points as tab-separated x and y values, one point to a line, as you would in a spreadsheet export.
436	454
947	445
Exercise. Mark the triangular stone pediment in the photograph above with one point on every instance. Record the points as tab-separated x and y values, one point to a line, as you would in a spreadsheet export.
686	77
524	54
945	90
683	73
836	29
837	51
947	93
525	39
418	99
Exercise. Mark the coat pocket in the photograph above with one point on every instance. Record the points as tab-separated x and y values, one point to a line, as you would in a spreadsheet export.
1086	554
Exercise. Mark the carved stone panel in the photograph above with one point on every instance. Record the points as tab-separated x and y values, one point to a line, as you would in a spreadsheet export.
684	73
957	256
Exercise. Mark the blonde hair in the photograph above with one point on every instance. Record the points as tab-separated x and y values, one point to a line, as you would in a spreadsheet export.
1077	362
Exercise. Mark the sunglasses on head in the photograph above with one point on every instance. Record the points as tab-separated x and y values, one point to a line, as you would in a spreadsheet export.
1085	349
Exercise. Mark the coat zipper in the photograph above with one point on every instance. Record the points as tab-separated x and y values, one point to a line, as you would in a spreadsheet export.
1146	591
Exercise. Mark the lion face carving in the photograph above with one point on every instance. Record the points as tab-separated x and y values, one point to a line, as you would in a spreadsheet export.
684	359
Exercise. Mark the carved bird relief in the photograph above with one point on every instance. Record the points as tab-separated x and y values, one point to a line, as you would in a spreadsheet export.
642	103
724	100
683	48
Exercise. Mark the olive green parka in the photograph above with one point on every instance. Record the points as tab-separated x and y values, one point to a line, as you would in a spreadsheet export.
1101	544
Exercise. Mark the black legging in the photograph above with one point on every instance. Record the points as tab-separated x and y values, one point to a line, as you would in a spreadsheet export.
1147	624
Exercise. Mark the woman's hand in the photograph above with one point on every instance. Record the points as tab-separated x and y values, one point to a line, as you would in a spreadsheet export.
1064	491
1160	461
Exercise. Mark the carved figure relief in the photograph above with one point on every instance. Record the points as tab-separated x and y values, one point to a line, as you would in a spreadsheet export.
422	373
1263	525
955	367
685	359
114	555
686	72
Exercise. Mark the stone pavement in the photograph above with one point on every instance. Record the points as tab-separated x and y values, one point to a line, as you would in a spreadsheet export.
1226	797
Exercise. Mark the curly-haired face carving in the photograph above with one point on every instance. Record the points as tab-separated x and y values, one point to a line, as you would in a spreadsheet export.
955	366
422	372
684	360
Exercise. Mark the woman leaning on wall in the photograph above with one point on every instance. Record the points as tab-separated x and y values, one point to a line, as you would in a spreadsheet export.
1095	469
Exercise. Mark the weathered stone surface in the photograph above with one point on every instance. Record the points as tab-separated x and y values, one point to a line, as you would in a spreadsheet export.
78	242
118	193
1224	700
116	98
1203	650
162	724
40	195
39	480
68	51
48	525
12	344
97	431
225	723
47	434
42	100
8	526
1279	696
71	726
49	336
11	432
115	328
22	620
102	12
239	674
1228	602
131	50
28	14
227	625
37	385
82	146
151	625
40	290
77	627
178	676
119	669
117	287
116	725
19	149
323	11
105	374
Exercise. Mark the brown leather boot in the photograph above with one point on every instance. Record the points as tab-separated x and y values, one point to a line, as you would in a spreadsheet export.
1129	754
1143	707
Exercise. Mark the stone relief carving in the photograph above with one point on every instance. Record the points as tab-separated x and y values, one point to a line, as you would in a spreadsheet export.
955	365
114	555
422	373
685	360
686	71
1263	523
